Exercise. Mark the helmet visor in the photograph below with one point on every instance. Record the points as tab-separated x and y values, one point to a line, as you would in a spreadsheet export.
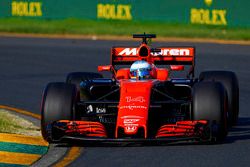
141	73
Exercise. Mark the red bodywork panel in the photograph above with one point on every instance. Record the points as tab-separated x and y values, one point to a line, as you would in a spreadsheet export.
133	106
123	73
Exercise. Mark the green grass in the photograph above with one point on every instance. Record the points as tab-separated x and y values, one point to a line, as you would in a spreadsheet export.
10	123
126	28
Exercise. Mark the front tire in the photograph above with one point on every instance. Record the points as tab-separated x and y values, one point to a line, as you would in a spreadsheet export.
58	103
230	82
209	103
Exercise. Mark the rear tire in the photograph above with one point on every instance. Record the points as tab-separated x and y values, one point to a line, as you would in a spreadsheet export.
230	83
58	103
209	103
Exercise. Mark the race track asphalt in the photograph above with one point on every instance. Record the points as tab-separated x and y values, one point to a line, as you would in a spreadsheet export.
28	64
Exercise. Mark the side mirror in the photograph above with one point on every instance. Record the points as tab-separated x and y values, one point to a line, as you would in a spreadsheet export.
177	67
105	68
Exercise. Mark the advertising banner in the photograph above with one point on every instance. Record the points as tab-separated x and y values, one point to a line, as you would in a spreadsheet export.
204	12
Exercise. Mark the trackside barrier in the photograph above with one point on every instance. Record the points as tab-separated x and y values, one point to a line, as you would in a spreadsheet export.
208	12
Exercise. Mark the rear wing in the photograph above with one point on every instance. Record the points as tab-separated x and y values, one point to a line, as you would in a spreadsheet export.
158	56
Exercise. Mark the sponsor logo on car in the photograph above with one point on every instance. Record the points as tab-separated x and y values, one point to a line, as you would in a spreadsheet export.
132	107
172	52
130	128
132	117
128	52
163	52
130	122
100	110
90	109
135	99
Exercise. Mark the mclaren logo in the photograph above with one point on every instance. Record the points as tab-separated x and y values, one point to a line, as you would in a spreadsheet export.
128	52
164	52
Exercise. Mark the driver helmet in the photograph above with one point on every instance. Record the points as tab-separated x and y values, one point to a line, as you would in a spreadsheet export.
140	70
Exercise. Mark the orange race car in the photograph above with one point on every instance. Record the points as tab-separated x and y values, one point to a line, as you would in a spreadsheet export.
143	100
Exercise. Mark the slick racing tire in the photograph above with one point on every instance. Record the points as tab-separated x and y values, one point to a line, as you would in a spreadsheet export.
77	77
58	103
209	103
230	83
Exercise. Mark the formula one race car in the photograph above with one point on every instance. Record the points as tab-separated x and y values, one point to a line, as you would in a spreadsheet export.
144	102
